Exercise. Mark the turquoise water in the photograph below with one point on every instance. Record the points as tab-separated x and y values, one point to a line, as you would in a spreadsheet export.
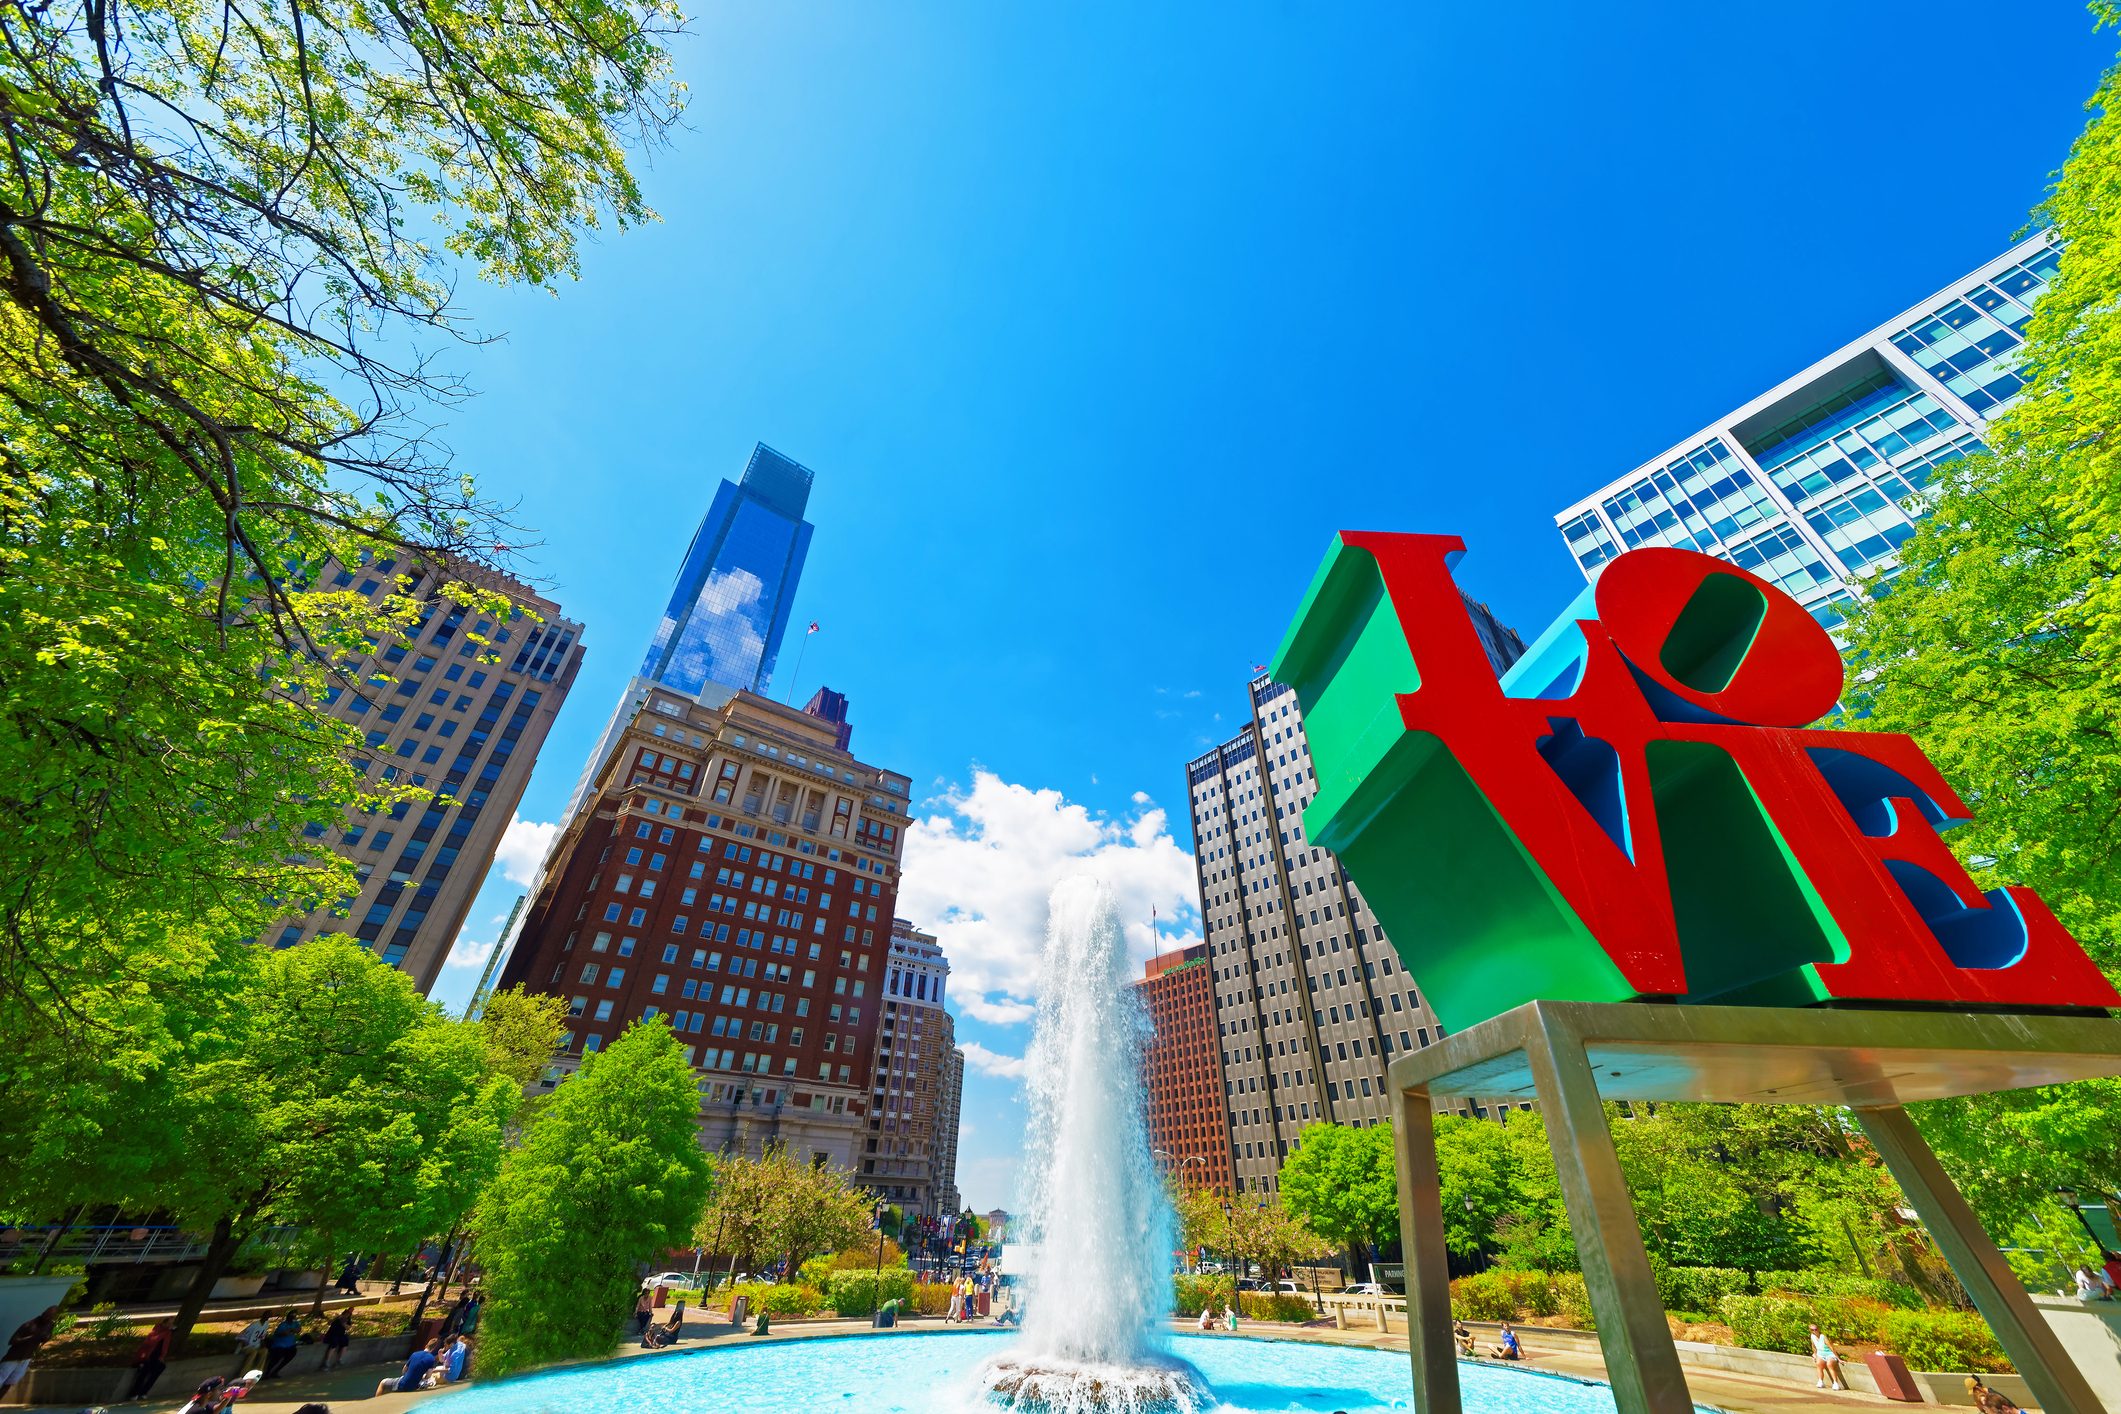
921	1374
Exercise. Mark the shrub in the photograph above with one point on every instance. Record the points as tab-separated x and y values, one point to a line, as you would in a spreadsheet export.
1699	1288
1532	1292
1782	1322
859	1293
1485	1296
1275	1306
1769	1322
784	1299
931	1298
1944	1340
1189	1294
1824	1281
1572	1301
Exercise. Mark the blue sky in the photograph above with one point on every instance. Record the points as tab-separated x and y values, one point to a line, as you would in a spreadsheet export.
1097	321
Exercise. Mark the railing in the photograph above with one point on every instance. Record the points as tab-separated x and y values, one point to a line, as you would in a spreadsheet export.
1366	1310
116	1243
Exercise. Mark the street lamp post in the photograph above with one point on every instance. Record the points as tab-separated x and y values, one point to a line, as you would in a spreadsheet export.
2068	1196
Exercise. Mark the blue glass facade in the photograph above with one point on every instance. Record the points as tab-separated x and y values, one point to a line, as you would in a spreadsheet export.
1823	478
729	609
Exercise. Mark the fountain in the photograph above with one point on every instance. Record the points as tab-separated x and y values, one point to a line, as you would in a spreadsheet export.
1100	1284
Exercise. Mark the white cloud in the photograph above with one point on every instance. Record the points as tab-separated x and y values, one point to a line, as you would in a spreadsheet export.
523	849
979	869
467	953
1141	797
998	1011
991	1063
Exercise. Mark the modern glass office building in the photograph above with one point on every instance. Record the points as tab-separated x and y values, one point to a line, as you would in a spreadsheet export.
729	609
1822	477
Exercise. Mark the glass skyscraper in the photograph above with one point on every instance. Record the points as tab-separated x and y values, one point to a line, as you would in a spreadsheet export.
729	609
1823	476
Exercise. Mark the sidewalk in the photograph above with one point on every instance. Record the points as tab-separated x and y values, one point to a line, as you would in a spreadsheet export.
1737	1394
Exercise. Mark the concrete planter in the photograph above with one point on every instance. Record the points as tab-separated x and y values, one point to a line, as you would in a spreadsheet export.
288	1279
230	1287
106	1384
24	1297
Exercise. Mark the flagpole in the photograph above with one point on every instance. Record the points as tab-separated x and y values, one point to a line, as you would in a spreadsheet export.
801	648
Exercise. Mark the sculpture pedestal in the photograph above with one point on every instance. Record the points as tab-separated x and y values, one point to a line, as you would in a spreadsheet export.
1569	1055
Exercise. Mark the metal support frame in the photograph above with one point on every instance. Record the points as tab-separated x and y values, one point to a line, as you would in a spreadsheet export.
1428	1271
1640	1358
1569	1055
2057	1384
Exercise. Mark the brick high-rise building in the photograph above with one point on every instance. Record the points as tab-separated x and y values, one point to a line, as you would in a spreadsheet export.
909	1155
433	712
1182	1069
734	871
1311	1003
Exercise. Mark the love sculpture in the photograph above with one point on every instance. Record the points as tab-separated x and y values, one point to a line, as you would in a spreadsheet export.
1636	865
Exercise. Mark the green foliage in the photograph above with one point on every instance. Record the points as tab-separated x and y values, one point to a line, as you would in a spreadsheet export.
1699	1288
1944	1340
610	1174
1572	1301
776	1206
857	1293
1485	1296
1773	1322
784	1299
1339	1180
1826	1282
931	1298
1275	1306
1191	1293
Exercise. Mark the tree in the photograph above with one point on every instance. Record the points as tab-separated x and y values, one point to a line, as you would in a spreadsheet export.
1340	1181
1998	646
218	341
1266	1231
522	1033
609	1175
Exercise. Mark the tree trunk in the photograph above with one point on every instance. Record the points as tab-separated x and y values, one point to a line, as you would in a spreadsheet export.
220	1251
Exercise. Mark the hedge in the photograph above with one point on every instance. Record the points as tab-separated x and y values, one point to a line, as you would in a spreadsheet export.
1190	1293
1945	1340
1700	1288
859	1293
1488	1296
780	1300
1275	1306
932	1298
1825	1282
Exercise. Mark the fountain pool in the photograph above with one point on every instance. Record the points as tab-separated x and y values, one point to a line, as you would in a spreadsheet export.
919	1373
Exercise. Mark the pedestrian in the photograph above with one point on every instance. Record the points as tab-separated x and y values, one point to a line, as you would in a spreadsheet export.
417	1365
1826	1361
249	1341
644	1312
1507	1347
1207	1317
350	1276
957	1303
470	1324
454	1321
1987	1400
22	1347
1464	1337
205	1399
460	1359
337	1336
281	1345
150	1360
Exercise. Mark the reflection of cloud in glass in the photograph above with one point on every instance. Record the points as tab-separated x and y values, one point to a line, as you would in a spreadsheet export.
729	608
725	637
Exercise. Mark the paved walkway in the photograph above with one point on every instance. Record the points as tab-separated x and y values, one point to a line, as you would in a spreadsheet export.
1739	1394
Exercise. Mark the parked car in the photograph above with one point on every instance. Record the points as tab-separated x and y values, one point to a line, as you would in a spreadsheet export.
1363	1288
671	1279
